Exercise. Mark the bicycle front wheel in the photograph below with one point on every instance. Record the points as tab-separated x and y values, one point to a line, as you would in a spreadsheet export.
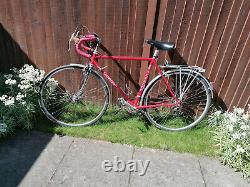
193	93
71	95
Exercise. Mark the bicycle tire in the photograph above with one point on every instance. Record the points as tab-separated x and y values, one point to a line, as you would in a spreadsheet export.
79	106
174	116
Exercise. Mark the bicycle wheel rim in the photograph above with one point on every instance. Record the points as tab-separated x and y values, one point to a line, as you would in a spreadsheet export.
174	121
83	111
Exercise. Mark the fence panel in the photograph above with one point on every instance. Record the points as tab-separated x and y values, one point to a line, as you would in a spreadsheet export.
213	34
41	29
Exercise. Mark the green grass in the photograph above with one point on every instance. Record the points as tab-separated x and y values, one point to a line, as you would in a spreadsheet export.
121	127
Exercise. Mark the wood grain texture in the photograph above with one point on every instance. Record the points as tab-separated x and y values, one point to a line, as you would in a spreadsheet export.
213	34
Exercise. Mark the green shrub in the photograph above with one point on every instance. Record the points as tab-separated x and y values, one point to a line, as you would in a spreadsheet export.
232	135
18	98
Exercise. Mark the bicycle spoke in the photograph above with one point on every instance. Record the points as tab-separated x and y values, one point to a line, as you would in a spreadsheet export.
59	111
190	84
94	89
180	82
193	94
184	87
77	103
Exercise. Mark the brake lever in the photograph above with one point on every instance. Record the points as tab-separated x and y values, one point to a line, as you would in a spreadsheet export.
70	39
73	35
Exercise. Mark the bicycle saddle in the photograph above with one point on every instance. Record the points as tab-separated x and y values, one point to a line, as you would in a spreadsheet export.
161	45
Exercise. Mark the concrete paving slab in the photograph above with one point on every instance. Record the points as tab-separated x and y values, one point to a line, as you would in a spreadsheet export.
82	166
215	174
40	159
167	169
46	164
29	159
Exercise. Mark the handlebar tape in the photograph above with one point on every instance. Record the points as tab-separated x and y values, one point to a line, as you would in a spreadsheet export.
82	44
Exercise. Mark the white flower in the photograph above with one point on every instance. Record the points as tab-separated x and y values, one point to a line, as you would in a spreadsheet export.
29	76
230	128
9	101
24	87
24	82
244	127
236	136
3	98
239	111
246	116
244	134
19	96
52	84
23	103
10	82
239	149
42	72
217	113
40	75
232	118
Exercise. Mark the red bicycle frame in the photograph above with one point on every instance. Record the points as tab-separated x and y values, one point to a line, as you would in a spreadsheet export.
152	61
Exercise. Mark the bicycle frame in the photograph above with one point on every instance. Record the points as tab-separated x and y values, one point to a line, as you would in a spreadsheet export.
187	83
135	102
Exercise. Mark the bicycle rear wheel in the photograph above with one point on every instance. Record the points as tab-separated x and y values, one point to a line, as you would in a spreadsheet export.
71	95
192	91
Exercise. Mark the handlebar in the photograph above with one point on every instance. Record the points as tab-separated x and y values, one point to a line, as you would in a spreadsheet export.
85	45
82	44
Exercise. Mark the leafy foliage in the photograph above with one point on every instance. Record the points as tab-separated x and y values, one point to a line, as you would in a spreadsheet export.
18	98
232	136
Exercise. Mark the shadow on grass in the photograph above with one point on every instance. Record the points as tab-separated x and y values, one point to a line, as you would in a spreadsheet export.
122	127
114	117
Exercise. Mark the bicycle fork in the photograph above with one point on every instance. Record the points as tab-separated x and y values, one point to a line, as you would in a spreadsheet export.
85	75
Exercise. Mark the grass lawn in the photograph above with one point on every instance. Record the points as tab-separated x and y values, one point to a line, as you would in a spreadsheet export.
122	127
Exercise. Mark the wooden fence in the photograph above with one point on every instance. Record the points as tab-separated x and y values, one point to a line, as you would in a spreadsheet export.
213	34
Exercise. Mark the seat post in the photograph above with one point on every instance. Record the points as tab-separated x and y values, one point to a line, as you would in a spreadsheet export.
156	53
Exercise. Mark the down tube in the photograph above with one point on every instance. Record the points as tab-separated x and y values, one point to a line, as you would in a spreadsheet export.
118	88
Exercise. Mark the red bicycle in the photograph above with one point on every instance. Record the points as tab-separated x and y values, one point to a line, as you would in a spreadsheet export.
178	98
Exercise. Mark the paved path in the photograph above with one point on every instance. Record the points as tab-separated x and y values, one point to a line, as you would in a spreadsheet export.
40	159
